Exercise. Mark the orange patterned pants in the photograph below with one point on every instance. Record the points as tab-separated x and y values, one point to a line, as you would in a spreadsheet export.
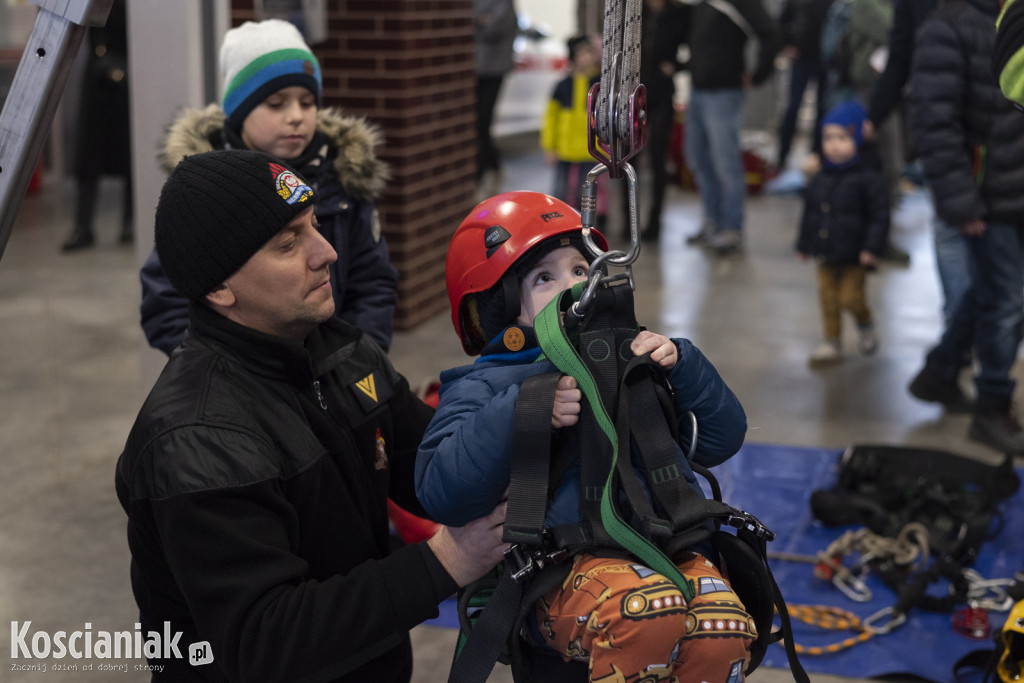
634	626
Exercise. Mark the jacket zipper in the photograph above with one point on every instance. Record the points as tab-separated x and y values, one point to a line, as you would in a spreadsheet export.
319	396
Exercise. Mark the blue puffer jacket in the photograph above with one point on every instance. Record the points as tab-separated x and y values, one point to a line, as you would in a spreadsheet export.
463	464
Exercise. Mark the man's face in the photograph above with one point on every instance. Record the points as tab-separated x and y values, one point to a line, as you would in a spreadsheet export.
557	271
283	124
284	289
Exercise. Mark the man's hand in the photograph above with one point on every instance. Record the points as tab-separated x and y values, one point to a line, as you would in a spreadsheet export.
975	228
566	410
468	552
663	351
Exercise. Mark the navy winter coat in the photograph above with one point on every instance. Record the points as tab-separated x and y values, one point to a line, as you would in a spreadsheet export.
969	137
846	211
464	460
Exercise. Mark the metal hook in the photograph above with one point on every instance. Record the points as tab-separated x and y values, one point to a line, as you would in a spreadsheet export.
895	620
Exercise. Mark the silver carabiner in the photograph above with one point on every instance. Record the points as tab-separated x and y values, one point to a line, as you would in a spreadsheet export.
896	619
852	586
588	214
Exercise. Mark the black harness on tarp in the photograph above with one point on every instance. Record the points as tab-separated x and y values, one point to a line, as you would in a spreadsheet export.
954	497
671	518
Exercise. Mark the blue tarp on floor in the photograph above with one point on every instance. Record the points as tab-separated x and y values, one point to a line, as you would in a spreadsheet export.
775	483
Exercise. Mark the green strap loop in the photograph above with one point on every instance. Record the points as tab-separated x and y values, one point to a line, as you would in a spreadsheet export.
557	348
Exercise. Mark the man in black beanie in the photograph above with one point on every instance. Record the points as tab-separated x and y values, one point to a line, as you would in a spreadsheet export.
257	473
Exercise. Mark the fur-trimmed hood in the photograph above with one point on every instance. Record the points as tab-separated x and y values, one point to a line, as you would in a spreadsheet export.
359	170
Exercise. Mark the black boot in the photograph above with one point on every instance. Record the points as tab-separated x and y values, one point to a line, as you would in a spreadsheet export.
80	238
935	386
998	429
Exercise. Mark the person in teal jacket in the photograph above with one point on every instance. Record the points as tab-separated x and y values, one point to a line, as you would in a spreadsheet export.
508	259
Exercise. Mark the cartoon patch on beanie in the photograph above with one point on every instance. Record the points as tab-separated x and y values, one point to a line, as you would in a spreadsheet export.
291	188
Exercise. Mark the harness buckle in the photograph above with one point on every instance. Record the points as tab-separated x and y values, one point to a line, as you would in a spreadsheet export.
745	520
522	563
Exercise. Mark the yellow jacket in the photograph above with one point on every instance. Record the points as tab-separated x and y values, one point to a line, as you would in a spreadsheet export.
564	130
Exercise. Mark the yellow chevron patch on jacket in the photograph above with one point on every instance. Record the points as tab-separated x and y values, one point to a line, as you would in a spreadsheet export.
368	387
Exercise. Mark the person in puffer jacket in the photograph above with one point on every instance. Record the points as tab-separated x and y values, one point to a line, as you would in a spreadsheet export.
844	229
971	143
511	256
271	103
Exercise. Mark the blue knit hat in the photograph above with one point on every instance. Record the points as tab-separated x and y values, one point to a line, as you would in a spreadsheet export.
257	60
850	116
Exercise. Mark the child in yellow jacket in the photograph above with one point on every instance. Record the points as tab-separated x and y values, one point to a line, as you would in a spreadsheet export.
563	135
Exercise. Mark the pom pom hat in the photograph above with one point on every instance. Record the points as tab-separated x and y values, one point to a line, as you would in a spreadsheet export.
257	60
218	209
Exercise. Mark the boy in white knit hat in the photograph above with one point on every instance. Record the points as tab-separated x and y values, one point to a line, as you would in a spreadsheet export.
271	102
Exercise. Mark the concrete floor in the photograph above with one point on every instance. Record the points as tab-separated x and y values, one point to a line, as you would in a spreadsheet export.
72	379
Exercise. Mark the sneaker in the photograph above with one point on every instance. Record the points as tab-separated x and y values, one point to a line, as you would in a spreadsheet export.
894	254
702	237
998	429
929	386
867	339
827	353
727	242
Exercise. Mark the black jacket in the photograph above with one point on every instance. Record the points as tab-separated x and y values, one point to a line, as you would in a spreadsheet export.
969	137
662	36
907	17
801	22
717	45
342	165
255	481
846	211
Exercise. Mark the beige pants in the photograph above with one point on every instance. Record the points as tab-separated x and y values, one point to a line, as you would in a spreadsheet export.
842	288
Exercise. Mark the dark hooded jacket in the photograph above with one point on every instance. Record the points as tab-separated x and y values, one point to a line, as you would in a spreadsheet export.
342	164
969	137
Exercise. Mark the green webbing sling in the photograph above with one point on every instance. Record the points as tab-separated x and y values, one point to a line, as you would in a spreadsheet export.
558	349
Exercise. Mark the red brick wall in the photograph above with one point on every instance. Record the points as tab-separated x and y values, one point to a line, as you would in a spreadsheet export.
407	65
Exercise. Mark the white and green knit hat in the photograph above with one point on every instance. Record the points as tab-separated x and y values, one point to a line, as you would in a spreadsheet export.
257	60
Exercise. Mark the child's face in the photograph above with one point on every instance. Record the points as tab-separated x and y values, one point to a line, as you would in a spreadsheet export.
836	144
283	124
557	271
587	59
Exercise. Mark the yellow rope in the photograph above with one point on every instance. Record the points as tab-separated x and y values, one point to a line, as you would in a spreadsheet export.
832	619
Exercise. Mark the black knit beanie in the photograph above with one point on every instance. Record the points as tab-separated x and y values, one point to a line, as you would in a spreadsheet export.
218	209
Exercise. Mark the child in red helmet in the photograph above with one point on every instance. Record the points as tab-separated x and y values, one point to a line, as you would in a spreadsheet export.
508	258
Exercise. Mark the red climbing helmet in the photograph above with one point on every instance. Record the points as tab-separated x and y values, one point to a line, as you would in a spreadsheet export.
495	234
